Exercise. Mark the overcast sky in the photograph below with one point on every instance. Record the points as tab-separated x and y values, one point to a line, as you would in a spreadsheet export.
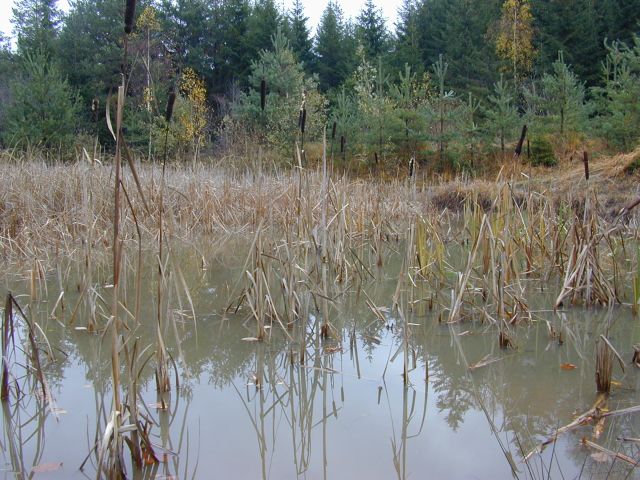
313	9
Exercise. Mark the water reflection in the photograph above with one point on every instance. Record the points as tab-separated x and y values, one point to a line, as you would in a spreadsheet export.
332	408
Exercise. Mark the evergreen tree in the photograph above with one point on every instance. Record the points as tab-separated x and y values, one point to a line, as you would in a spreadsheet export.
287	89
619	99
573	27
299	37
502	115
371	31
35	25
334	48
263	24
410	96
565	97
188	23
443	107
618	20
432	16
6	57
7	68
472	62
407	49
234	60
375	107
43	108
90	50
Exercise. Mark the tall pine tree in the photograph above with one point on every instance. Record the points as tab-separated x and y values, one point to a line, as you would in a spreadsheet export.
35	26
407	49
299	36
334	48
188	24
264	21
233	59
371	31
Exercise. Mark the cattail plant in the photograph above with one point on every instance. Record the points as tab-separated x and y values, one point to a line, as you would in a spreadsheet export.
129	16
302	120
263	94
518	149
170	103
585	159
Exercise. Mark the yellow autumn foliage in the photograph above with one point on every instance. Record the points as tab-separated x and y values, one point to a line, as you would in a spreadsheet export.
514	41
193	119
148	20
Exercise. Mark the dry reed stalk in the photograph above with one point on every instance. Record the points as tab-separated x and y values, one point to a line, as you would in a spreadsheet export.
7	342
463	278
604	366
585	275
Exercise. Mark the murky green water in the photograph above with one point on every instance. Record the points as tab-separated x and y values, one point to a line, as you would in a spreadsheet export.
246	410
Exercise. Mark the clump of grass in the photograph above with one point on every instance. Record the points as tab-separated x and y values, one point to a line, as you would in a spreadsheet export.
633	165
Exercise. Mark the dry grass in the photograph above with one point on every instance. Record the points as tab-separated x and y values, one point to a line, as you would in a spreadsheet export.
43	207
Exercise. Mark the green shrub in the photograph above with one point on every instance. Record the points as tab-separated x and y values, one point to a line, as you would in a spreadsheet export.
43	110
542	152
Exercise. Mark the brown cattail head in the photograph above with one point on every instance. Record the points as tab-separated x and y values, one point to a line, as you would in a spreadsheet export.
129	14
303	119
263	93
333	131
585	159
342	142
170	102
521	141
411	165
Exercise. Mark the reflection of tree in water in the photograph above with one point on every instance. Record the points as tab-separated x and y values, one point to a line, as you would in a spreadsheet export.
453	394
506	390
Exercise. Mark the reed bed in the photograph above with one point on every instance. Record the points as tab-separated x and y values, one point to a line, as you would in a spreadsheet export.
470	252
43	206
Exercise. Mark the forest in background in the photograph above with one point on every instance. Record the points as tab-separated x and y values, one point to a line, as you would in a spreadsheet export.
451	83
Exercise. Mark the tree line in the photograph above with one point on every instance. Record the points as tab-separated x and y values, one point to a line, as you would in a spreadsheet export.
451	79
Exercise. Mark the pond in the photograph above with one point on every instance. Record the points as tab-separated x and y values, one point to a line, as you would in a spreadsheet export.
240	408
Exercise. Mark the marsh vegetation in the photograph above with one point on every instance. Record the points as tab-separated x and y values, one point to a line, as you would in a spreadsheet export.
344	280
